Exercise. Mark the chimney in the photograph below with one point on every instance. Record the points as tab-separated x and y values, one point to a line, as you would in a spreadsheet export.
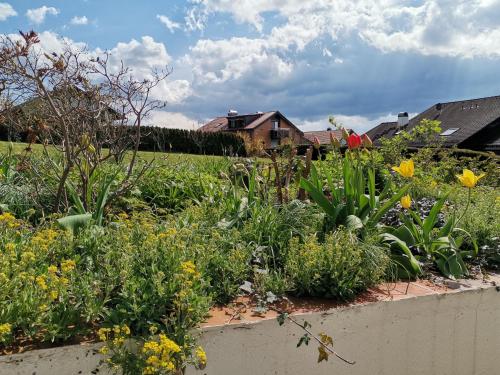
403	119
232	112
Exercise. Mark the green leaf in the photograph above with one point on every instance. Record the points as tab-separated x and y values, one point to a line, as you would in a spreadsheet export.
318	197
371	188
74	222
412	264
304	340
281	318
430	221
353	223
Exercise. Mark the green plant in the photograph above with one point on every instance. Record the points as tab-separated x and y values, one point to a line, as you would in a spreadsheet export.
442	245
340	267
349	204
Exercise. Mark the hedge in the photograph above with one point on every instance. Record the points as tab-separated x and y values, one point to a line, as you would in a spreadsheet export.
169	140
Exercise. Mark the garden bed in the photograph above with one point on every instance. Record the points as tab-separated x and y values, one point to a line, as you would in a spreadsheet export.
394	328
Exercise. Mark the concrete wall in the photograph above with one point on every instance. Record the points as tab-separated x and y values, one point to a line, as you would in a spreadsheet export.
452	333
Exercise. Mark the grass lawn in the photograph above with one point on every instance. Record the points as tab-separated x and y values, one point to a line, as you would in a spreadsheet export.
160	157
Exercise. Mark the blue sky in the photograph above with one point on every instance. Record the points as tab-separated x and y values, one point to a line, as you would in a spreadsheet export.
359	60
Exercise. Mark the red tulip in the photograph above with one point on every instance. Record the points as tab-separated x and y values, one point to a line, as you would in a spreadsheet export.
367	142
353	141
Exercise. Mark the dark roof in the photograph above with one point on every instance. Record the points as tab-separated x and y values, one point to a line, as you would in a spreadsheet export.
323	136
252	120
470	117
222	124
385	129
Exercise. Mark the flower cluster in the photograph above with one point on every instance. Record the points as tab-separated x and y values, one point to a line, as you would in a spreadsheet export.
160	355
5	330
9	220
114	337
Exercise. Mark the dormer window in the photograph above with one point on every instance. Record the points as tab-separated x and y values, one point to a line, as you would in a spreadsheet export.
449	131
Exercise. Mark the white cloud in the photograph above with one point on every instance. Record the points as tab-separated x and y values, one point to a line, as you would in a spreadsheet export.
6	11
144	56
461	28
229	59
175	120
195	19
52	42
76	20
38	15
171	25
359	124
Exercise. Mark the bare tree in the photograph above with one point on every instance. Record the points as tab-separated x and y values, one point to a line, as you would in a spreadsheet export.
80	105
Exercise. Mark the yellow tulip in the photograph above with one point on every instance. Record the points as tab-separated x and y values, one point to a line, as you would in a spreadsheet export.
406	201
405	169
469	179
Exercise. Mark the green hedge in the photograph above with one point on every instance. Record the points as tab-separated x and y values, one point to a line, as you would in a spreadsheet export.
191	141
169	140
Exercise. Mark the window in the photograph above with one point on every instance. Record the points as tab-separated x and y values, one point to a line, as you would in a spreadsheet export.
449	131
276	124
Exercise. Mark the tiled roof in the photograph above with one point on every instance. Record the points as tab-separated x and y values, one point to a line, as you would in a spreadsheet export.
322	135
221	123
216	125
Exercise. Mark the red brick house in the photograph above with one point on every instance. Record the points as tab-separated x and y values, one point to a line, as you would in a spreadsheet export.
272	128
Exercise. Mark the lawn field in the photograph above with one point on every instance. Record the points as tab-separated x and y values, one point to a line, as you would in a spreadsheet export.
159	157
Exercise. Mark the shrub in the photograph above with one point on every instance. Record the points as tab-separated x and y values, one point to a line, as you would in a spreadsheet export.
177	188
340	267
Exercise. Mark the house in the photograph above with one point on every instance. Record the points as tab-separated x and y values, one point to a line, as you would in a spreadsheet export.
271	128
469	124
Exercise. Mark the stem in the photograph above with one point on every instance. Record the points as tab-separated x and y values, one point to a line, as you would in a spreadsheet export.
315	337
466	207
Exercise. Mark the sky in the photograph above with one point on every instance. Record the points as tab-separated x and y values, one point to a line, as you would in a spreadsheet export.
362	61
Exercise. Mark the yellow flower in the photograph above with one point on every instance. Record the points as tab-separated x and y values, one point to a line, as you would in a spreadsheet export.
5	329
7	217
125	330
10	247
68	265
103	333
54	294
406	201
28	256
42	283
52	269
469	179
202	356
406	168
104	350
